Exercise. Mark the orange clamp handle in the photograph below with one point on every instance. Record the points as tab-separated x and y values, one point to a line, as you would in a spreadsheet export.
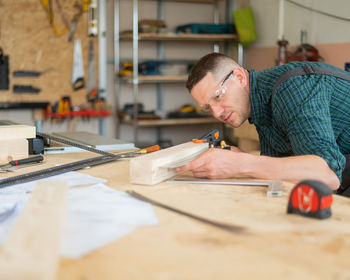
198	141
150	149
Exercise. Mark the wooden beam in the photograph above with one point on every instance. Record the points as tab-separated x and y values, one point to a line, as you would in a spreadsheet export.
13	149
17	131
156	167
32	250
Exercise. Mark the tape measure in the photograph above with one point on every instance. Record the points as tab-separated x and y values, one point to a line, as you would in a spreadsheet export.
311	198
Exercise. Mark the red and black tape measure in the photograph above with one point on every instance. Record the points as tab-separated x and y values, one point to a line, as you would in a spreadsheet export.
311	198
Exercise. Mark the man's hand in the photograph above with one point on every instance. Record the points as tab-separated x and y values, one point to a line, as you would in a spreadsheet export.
220	164
215	164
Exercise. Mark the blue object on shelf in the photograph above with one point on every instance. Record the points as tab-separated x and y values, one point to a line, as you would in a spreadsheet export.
207	28
150	67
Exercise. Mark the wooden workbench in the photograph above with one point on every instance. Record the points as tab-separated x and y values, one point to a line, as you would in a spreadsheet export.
273	246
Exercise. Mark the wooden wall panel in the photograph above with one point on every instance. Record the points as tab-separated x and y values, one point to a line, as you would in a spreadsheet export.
30	41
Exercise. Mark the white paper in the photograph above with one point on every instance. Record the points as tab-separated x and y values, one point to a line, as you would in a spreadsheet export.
72	178
11	205
99	215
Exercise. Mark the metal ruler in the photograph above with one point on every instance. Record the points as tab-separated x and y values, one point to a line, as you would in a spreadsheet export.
274	188
56	170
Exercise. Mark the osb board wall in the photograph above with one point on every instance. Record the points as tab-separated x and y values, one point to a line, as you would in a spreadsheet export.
30	41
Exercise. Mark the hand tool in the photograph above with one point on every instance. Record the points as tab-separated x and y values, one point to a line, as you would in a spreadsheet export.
214	140
47	4
92	19
75	21
147	150
91	85
30	73
25	89
16	167
274	188
4	71
311	198
20	162
78	70
26	73
224	226
64	168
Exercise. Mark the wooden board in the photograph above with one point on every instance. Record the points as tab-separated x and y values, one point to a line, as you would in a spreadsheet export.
158	166
30	41
10	132
13	149
274	246
32	250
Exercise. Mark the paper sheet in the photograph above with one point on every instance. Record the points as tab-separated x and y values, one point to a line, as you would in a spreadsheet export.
97	215
11	205
73	179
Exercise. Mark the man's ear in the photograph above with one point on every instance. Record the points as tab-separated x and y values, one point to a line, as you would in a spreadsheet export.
239	73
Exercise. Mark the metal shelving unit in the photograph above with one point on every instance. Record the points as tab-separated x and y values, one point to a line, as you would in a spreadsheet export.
136	80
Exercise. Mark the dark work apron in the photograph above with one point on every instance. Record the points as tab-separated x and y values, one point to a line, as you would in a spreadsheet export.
344	188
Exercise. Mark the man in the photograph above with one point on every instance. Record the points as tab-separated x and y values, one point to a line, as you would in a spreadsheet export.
303	123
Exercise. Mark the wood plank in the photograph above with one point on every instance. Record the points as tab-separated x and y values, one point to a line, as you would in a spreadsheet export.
32	250
13	149
158	166
17	131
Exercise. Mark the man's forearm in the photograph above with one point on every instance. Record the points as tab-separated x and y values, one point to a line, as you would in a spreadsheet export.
293	169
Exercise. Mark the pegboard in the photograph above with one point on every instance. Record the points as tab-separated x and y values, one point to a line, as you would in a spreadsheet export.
28	38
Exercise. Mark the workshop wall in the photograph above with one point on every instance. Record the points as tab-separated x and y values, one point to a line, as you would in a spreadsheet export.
329	35
30	41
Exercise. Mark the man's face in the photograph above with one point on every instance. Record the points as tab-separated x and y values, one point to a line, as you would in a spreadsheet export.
227	99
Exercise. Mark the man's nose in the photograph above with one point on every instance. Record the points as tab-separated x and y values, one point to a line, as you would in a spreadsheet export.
216	110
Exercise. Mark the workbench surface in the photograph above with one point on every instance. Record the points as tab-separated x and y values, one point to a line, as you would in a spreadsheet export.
273	246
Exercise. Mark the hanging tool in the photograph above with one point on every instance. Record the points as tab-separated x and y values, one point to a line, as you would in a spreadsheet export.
75	20
92	19
91	87
30	73
64	168
85	4
25	161
47	4
25	89
224	226
4	71
63	15
311	198
78	70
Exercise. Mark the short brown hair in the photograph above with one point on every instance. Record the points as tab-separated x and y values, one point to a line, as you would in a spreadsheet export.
207	63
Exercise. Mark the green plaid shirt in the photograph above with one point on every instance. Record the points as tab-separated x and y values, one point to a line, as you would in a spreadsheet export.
311	114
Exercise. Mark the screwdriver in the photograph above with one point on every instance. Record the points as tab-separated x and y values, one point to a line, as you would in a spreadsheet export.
147	150
22	161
